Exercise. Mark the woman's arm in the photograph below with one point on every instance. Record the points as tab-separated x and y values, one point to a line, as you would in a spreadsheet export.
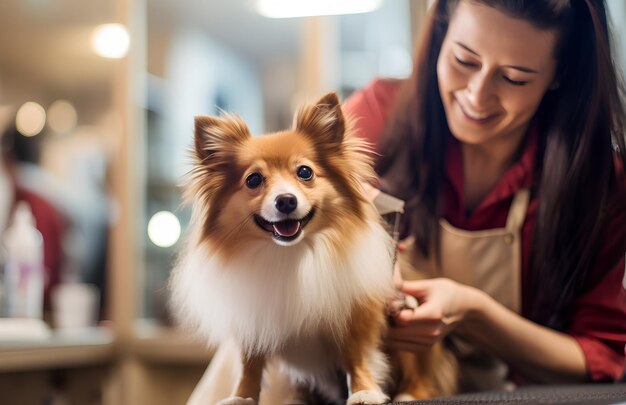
540	354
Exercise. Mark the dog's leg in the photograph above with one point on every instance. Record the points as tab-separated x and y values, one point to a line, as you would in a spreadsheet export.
279	389
414	383
249	387
426	375
365	364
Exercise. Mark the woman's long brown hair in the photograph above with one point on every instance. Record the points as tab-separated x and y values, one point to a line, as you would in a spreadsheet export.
581	125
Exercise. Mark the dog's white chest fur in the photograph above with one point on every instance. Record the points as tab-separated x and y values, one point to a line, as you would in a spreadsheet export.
270	295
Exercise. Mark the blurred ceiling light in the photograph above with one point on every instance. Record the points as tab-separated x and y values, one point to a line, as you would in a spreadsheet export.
164	229
307	8
111	41
62	117
30	119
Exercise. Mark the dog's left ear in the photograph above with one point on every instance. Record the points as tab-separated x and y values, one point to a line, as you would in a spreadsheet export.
214	134
323	121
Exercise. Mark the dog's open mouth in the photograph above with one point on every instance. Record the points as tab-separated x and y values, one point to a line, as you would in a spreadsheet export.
285	230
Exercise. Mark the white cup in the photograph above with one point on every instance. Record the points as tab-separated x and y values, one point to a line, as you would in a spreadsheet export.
75	305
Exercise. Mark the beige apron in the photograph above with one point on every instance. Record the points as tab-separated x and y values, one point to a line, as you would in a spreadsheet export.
491	261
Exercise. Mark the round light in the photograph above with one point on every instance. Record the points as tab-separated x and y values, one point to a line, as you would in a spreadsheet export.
30	119
111	41
62	117
164	229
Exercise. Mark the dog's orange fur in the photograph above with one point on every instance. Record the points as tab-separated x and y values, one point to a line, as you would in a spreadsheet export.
252	370
425	375
368	321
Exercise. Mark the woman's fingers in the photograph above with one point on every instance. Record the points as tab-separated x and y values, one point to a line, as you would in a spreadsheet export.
438	312
426	312
419	334
417	288
405	317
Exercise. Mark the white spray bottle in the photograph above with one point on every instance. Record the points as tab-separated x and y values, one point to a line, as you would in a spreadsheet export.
24	269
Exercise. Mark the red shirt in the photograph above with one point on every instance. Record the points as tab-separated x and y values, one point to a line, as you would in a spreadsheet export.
599	316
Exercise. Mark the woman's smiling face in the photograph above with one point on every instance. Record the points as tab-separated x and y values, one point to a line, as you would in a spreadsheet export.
493	71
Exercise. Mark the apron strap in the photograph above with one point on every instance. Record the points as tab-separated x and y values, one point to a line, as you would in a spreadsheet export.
517	212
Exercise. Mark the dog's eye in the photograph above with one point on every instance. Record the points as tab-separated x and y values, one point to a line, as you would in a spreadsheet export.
254	180
305	173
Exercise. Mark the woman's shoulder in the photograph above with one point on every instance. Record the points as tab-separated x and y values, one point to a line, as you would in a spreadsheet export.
371	105
384	87
378	94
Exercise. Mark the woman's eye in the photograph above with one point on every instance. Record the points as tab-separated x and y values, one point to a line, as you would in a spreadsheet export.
465	63
305	173
254	180
514	82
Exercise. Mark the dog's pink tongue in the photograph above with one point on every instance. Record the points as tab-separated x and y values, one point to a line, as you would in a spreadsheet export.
287	228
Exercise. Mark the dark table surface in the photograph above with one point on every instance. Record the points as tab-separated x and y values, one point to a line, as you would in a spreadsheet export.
588	394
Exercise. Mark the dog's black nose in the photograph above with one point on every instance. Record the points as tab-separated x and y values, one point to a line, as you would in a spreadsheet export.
286	203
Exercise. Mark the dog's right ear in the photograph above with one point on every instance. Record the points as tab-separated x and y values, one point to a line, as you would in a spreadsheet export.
215	134
323	121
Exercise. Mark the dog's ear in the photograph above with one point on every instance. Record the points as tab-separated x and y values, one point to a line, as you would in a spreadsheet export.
322	121
215	134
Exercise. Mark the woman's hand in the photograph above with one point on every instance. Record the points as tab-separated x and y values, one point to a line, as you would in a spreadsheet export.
540	353
443	304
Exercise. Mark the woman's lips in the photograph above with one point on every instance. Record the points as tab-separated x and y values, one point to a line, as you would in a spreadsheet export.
475	117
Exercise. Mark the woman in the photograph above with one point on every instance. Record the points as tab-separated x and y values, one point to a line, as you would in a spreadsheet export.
507	145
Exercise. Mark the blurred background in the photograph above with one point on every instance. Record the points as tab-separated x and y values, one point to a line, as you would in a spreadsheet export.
97	100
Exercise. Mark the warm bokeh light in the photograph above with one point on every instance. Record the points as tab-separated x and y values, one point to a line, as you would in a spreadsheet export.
62	117
164	229
30	119
305	8
111	41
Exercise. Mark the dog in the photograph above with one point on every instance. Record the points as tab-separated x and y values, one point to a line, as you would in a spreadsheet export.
286	254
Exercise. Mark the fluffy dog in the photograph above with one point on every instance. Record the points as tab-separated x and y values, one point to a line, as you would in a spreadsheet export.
286	255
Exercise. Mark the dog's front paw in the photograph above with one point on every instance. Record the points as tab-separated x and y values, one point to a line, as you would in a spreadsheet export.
237	401
367	397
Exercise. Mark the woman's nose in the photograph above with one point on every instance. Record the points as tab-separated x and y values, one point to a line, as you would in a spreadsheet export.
480	89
